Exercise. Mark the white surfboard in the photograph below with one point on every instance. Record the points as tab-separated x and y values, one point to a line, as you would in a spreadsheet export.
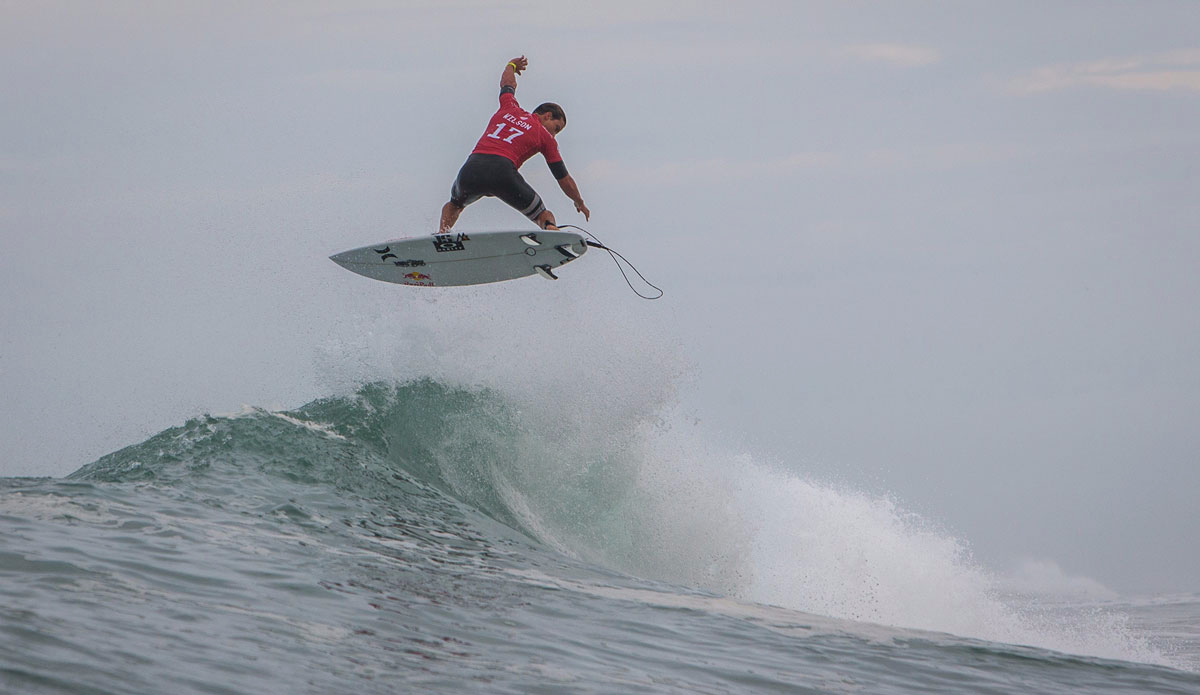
464	258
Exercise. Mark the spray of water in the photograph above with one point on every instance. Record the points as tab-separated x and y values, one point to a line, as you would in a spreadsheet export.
607	470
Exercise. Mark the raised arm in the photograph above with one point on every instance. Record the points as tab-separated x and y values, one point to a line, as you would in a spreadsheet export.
508	79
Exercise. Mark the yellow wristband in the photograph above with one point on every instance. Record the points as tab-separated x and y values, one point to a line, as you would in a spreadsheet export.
514	66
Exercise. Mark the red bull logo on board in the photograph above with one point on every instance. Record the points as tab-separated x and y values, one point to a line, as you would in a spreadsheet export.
418	278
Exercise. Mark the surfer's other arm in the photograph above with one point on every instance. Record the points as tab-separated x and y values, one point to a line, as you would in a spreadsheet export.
568	186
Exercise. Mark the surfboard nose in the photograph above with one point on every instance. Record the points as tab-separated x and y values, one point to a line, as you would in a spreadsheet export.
343	259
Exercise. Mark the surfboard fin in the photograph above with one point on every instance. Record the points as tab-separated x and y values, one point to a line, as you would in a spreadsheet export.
544	271
566	250
531	239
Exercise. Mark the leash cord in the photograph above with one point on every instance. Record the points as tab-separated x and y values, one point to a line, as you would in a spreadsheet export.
596	243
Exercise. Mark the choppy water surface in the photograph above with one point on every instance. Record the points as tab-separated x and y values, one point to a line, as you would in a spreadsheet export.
426	538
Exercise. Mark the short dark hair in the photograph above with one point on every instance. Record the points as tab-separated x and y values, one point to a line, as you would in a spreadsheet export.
554	110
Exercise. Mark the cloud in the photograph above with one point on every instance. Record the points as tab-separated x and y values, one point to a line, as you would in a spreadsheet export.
1177	70
360	79
705	171
897	54
724	170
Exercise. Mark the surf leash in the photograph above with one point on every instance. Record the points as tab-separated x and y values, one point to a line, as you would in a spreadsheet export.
595	242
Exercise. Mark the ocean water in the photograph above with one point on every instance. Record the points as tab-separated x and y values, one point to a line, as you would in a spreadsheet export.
427	536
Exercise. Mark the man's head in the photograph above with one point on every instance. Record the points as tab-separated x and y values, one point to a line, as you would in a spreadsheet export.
552	117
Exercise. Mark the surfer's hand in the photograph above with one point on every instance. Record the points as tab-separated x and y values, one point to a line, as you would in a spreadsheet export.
580	207
519	64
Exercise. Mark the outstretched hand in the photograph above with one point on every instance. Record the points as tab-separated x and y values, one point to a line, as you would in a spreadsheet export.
581	208
519	64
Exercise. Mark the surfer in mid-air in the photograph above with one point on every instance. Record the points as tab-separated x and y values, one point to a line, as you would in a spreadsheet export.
512	137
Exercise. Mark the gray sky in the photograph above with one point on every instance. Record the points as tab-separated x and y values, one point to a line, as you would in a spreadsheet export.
945	250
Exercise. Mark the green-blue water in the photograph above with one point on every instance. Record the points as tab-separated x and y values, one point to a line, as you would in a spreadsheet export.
422	537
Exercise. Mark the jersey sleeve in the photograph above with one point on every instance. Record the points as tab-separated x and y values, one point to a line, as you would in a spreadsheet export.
508	100
550	149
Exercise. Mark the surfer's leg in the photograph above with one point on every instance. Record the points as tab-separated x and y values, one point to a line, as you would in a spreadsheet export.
469	186
450	213
546	220
512	188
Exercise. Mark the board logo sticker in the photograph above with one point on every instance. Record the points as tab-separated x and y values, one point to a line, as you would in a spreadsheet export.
449	242
385	253
418	278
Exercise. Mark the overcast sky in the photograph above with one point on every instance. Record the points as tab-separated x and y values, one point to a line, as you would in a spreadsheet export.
943	250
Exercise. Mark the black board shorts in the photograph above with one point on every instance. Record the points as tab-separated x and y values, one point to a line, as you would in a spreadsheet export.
494	175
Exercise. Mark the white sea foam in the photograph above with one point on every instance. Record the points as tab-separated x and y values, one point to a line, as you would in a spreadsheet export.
1046	578
610	473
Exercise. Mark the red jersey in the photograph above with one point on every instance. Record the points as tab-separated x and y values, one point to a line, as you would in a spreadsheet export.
517	134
